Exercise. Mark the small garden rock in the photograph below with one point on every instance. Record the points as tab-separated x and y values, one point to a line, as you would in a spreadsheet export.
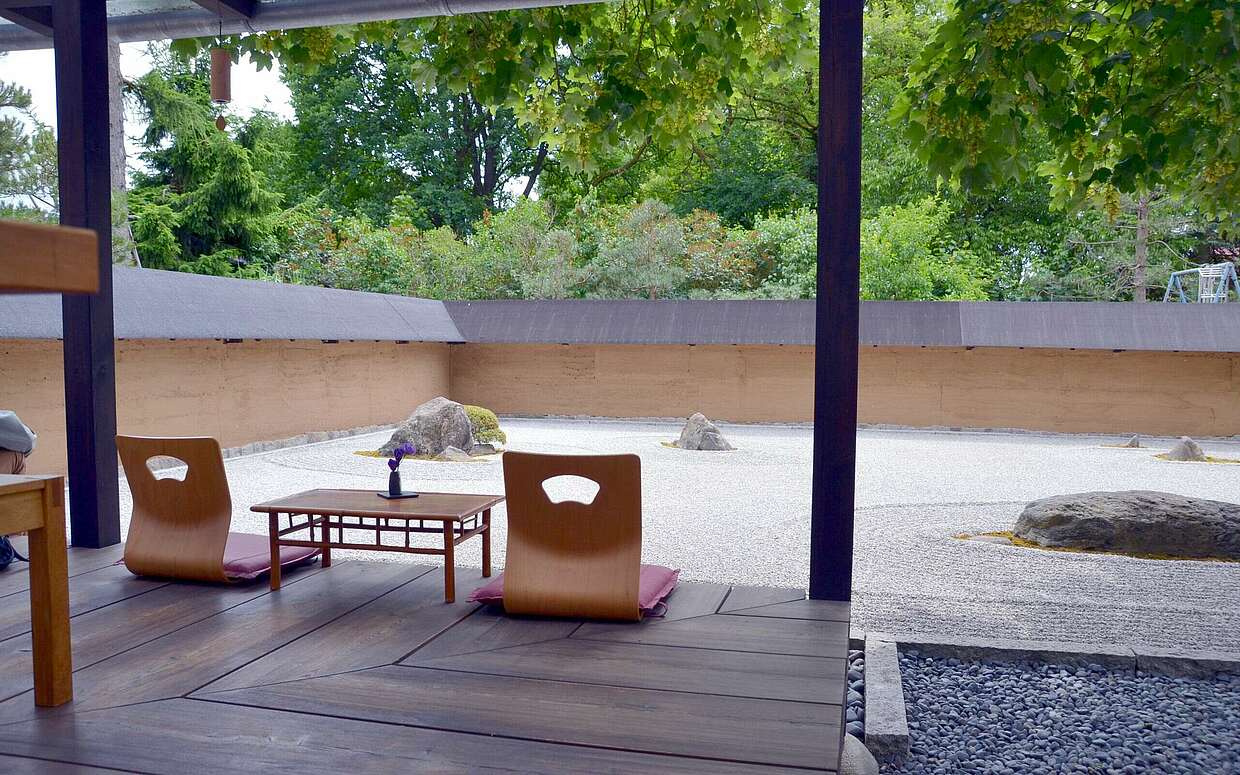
482	449
454	455
1133	443
701	434
1187	450
433	427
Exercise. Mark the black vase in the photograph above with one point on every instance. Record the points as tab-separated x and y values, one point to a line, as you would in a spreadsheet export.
394	482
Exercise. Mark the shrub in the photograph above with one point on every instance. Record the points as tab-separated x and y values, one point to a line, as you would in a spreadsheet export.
485	425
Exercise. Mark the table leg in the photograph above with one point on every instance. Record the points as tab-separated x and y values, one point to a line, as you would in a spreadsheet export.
449	562
325	534
49	603
273	528
486	544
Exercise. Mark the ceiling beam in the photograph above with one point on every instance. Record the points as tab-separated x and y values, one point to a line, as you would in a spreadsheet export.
230	9
36	18
271	15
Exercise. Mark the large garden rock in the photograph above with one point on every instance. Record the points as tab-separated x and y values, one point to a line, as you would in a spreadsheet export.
1137	521
1186	450
432	428
701	433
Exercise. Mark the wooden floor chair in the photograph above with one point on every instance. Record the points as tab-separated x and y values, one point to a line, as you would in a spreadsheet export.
576	559
179	528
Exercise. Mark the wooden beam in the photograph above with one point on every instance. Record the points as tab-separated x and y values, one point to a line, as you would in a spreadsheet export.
838	305
81	41
36	18
41	257
230	9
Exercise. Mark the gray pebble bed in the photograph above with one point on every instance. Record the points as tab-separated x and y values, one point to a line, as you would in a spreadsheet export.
1004	719
854	713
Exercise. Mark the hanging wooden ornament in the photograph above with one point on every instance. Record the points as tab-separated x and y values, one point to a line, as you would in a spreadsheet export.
221	75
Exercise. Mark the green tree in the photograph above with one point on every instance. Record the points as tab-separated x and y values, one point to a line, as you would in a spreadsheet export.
630	75
27	159
203	207
367	133
645	257
1136	98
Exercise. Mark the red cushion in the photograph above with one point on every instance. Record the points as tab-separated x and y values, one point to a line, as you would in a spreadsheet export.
248	556
654	584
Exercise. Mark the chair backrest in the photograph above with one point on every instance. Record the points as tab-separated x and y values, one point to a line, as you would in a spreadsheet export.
571	558
179	527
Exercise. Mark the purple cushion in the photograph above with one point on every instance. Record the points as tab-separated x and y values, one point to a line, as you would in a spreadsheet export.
654	584
248	556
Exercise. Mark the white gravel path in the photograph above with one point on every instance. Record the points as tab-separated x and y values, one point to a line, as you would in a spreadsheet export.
743	517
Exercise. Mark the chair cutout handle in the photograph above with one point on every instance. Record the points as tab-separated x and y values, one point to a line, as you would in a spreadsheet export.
570	488
167	467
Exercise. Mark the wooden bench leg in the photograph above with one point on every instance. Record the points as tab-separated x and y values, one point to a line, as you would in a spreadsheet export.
273	529
49	603
449	562
486	544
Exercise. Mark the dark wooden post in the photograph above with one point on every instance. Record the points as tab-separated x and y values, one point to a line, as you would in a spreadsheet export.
80	32
838	307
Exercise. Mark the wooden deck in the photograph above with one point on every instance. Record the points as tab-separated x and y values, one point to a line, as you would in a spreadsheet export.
363	668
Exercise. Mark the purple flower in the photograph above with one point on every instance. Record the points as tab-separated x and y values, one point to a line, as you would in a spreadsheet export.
399	453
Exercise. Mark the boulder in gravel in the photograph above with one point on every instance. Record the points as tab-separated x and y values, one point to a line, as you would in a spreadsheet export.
454	455
432	428
1133	443
1135	522
483	449
1186	450
700	433
856	759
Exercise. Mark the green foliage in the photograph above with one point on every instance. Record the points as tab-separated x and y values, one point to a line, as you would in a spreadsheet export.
586	78
368	135
903	256
1133	98
27	159
485	425
203	207
642	257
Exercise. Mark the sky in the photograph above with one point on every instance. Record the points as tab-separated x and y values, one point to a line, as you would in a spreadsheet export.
251	88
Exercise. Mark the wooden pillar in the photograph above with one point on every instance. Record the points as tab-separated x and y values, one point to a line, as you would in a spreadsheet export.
838	305
80	32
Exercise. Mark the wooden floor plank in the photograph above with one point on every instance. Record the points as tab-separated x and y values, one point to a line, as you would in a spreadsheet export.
191	657
735	673
191	736
16	577
18	765
749	597
734	633
692	599
650	721
489	628
87	591
105	632
820	610
378	633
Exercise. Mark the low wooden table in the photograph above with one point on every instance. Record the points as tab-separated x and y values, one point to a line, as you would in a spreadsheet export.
36	504
319	512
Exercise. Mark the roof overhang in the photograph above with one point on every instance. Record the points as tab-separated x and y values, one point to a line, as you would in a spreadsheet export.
135	20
